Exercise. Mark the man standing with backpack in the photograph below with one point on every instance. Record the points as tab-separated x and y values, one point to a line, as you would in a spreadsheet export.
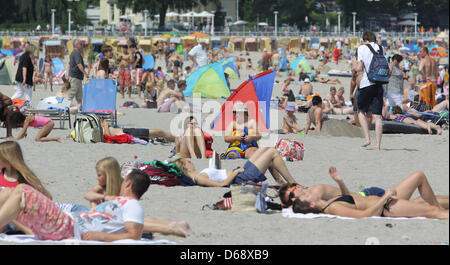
370	99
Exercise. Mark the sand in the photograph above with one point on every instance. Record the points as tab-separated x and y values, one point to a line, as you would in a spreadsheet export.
68	170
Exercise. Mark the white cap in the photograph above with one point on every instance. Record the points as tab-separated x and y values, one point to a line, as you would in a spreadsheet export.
264	50
306	80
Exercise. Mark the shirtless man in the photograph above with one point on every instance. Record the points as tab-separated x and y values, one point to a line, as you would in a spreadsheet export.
315	115
306	89
126	61
266	60
169	96
428	73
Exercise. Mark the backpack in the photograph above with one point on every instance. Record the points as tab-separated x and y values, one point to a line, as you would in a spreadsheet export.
379	68
87	129
290	148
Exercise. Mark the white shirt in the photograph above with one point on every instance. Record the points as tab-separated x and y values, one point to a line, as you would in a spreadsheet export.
200	55
109	217
218	175
338	44
365	55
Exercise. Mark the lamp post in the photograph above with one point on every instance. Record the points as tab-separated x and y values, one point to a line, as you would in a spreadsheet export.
69	10
212	22
237	10
354	23
145	21
53	21
339	21
276	23
415	24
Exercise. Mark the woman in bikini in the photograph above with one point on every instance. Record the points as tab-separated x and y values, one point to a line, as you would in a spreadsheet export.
398	116
242	134
394	203
48	73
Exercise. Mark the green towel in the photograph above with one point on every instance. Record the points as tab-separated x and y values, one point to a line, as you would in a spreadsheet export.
168	167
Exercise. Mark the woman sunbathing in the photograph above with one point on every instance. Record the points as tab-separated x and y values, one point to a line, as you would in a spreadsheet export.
265	158
394	203
398	116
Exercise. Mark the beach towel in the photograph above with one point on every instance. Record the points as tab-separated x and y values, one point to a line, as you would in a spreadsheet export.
118	139
288	213
28	239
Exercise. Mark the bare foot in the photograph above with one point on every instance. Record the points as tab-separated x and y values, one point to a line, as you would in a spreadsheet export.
367	143
377	147
61	140
181	228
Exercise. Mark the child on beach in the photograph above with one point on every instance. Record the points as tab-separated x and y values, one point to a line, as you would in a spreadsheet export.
290	124
18	119
48	73
110	176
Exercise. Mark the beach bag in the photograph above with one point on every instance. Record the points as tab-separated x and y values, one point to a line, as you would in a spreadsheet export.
87	129
290	148
379	69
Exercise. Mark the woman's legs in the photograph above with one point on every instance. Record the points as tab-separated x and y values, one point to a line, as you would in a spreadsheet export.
266	157
406	208
44	131
417	180
428	126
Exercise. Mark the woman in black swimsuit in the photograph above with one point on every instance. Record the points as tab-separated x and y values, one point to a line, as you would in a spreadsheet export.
394	203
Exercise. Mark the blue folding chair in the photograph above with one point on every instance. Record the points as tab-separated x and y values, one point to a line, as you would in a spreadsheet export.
99	97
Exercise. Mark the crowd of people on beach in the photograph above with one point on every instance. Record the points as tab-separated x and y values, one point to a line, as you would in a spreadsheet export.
114	211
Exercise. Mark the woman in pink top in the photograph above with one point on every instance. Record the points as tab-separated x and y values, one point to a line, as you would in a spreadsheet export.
18	119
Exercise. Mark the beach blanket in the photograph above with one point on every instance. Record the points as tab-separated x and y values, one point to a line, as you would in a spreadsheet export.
28	239
288	213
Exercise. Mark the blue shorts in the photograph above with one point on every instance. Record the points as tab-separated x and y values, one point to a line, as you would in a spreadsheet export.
251	174
373	191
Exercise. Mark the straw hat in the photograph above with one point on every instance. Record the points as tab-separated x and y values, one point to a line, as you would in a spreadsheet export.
240	107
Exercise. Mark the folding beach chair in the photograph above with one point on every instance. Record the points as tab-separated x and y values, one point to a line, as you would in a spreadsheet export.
99	97
55	108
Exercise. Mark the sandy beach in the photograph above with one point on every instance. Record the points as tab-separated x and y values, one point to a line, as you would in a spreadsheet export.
68	170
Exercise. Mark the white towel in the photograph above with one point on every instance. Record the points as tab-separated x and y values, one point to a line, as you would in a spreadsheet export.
288	213
27	239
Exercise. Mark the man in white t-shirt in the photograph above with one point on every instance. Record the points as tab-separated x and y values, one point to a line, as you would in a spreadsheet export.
199	55
370	99
120	218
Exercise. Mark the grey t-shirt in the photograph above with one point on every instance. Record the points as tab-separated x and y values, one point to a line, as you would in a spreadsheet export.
75	59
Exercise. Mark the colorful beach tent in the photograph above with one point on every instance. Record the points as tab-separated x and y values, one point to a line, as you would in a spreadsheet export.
230	68
436	50
7	71
7	52
198	34
300	63
256	93
208	81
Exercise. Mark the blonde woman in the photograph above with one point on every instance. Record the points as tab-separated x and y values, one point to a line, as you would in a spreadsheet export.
109	182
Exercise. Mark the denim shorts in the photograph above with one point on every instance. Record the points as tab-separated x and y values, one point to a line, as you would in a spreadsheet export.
251	174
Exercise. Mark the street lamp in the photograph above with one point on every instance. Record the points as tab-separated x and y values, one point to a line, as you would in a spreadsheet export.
53	21
212	23
145	21
354	23
276	23
69	10
339	21
237	10
415	24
